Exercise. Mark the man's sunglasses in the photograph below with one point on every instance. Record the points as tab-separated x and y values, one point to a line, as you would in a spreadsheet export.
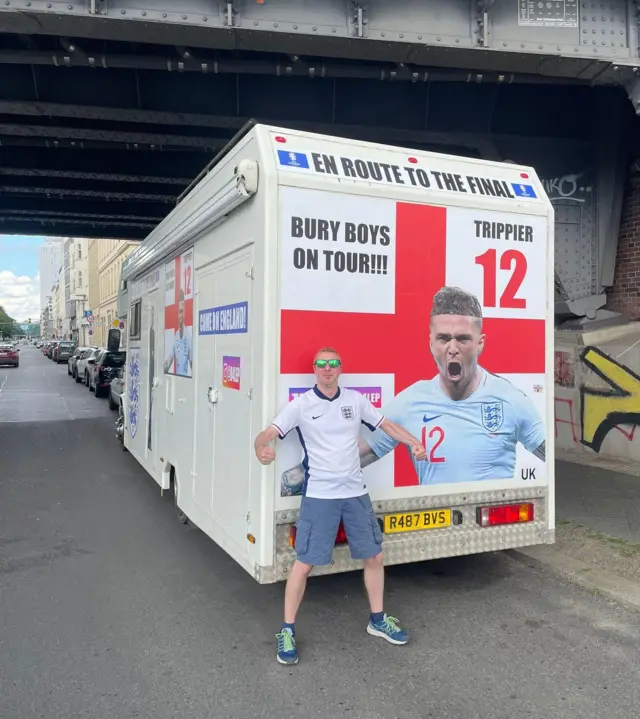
321	364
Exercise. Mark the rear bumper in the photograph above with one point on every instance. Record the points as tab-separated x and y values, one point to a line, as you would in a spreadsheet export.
463	539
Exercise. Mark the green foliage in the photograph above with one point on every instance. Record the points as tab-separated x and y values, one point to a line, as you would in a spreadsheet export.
8	326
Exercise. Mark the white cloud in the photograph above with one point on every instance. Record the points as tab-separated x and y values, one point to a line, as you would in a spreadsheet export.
20	296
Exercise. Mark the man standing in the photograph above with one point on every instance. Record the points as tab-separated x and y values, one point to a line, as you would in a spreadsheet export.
181	353
470	420
328	419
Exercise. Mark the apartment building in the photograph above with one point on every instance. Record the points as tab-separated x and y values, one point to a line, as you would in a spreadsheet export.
57	311
76	271
105	266
49	264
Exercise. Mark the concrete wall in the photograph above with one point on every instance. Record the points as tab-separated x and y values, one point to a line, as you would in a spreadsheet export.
597	392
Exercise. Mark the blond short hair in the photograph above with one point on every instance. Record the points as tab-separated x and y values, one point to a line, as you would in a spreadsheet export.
326	350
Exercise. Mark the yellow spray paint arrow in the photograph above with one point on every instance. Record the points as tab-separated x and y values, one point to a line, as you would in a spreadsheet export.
602	409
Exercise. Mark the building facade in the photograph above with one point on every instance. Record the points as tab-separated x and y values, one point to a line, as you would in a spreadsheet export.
49	264
105	267
78	284
57	308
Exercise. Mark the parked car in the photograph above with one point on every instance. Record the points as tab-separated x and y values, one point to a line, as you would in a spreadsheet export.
116	390
9	355
63	351
73	360
83	367
103	369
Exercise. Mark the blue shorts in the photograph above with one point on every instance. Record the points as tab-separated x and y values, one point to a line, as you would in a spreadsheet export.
318	525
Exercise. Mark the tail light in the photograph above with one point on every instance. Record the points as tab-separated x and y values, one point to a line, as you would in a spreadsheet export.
341	536
504	514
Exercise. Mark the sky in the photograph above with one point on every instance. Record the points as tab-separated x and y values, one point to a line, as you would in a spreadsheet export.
19	276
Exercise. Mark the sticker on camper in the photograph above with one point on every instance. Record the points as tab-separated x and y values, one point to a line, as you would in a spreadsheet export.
231	372
412	172
293	159
477	277
225	320
524	190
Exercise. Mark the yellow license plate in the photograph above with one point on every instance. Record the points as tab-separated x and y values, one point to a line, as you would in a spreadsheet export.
417	521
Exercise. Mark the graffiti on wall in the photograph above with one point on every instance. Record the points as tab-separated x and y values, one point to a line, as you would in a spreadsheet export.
602	410
585	415
564	370
567	187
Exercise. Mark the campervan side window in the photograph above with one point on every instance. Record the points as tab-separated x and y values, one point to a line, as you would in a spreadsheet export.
136	320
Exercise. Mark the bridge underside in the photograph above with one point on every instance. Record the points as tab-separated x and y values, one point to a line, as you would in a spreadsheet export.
108	110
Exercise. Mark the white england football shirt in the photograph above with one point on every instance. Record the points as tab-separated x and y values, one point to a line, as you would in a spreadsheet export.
467	440
329	429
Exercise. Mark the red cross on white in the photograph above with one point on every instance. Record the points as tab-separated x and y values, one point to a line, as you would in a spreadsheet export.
183	274
398	343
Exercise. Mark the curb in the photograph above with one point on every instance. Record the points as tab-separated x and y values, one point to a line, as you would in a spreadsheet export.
578	572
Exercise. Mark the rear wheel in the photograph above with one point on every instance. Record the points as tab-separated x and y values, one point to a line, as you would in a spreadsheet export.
182	517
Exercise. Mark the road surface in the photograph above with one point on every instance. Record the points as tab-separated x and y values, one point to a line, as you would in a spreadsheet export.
112	609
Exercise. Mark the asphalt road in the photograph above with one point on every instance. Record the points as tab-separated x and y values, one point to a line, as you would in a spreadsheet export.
111	608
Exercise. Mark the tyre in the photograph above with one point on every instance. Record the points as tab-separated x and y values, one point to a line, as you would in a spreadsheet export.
182	517
77	378
112	404
69	371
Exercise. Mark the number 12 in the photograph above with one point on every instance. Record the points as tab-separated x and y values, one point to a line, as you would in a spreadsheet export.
438	434
187	280
512	260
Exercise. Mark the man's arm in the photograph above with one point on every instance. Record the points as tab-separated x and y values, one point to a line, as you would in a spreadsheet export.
541	452
264	452
400	434
367	455
170	359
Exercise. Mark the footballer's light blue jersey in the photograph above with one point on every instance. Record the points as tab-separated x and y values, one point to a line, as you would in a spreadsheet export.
182	354
467	440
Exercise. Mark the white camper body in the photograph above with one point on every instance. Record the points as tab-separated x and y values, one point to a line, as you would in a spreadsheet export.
294	240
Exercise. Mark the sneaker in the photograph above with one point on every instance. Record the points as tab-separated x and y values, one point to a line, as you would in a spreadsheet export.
389	629
287	653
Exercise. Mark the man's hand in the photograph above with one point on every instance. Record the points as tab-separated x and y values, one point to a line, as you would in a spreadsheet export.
264	452
419	452
265	455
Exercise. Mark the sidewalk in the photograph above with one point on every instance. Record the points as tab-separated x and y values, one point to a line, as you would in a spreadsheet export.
598	527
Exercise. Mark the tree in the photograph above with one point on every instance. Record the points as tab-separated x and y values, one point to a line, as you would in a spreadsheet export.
8	326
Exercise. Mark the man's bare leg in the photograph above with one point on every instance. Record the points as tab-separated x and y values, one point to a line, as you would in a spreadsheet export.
374	582
294	591
380	624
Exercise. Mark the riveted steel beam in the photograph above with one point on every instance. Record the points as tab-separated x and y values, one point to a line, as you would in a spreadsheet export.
65	192
97	176
131	138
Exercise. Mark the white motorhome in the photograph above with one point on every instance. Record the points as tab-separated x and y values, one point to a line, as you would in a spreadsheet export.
290	241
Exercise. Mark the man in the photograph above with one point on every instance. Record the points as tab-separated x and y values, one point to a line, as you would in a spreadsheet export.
469	420
327	419
181	349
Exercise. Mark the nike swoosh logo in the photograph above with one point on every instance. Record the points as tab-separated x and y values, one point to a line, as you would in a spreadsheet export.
426	419
318	417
